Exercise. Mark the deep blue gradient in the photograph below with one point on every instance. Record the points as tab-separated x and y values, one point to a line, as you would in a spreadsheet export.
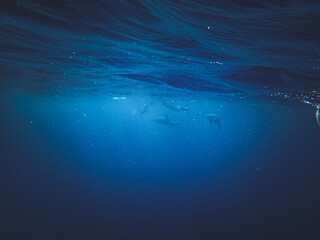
84	85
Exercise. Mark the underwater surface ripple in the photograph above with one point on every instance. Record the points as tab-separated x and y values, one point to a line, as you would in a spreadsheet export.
256	46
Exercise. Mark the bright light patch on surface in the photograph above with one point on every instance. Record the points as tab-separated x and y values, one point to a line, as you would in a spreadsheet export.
119	98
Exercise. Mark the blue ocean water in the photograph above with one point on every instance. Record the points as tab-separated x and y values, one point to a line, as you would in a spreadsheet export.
151	119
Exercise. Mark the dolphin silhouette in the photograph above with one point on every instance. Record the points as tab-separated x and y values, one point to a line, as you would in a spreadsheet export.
214	119
164	120
146	106
171	105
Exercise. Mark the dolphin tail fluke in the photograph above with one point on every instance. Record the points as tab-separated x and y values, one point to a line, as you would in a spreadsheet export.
215	120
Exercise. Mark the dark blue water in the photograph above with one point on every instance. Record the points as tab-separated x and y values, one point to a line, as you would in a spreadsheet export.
106	110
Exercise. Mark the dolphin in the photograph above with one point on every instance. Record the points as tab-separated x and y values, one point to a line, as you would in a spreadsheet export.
214	119
164	120
171	105
146	107
318	115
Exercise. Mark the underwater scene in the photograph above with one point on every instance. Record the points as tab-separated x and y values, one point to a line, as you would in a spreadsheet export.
145	119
